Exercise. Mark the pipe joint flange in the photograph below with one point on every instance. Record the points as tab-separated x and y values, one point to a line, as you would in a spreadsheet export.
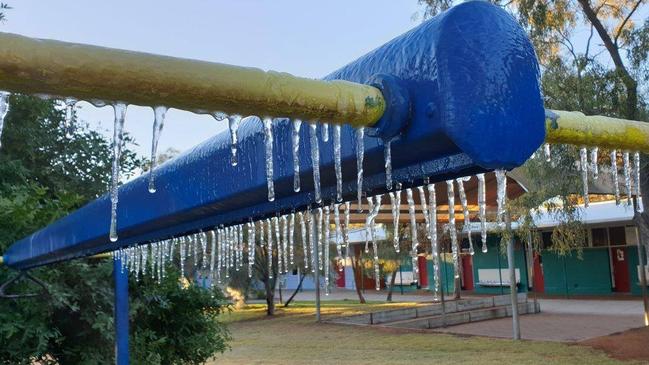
397	107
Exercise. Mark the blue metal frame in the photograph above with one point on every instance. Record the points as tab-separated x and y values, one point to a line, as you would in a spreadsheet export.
470	78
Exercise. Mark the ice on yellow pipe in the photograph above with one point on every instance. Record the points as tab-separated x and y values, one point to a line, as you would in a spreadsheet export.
594	130
36	66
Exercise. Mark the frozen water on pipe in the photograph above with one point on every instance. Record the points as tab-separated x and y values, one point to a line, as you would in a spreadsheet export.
465	212
424	209
262	240
280	245
338	164
375	248
295	139
593	162
327	236
182	252
387	158
546	149
319	238
251	248
368	222
636	170
285	244
482	210
303	233
312	240
118	134
501	190
325	132
432	199
346	229
315	161
4	108
338	234
241	244
291	238
269	247
69	113
268	134
203	238
583	165
360	154
452	229
233	124
627	176
159	113
212	237
413	232
395	200
616	182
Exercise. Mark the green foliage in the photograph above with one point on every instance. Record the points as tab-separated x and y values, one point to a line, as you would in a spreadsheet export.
48	169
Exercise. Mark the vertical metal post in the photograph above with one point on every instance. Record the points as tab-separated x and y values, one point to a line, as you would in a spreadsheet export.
121	313
401	279
441	284
512	280
643	272
316	259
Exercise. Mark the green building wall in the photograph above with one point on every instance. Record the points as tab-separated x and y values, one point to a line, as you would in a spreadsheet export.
570	275
493	259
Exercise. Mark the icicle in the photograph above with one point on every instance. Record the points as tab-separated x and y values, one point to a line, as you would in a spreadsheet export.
548	156
159	113
315	161
118	132
346	230
593	162
295	139
583	164
616	182
482	210
262	240
303	232
291	238
285	244
203	240
182	248
4	109
280	245
465	212
432	199
269	237
212	236
395	200
195	248
69	113
268	133
424	209
413	233
318	242
360	153
325	258
387	158
368	222
374	213
233	124
338	235
627	177
251	248
338	164
144	258
455	247
636	165
312	240
501	189
325	132
241	244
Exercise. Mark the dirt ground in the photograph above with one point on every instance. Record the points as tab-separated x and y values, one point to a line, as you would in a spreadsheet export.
628	345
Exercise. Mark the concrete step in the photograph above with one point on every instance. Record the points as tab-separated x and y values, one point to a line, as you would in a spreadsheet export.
455	318
404	314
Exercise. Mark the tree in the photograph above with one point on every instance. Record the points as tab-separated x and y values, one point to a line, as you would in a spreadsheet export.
48	169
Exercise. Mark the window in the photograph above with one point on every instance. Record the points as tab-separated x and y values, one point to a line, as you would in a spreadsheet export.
600	237
546	238
617	236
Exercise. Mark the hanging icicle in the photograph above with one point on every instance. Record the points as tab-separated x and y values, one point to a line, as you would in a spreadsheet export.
212	237
319	238
593	162
368	221
269	247
251	248
69	113
482	210
303	235
432	199
291	237
159	113
424	209
338	235
313	242
583	164
4	109
616	182
455	246
395	200
315	161
233	124
338	164
627	177
387	158
546	149
501	189
280	246
375	248
636	170
327	237
413	233
346	230
118	132
295	139
268	134
360	153
325	132
285	245
465	213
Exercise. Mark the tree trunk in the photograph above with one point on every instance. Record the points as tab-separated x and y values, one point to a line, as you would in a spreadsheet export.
358	277
279	288
391	289
299	287
270	296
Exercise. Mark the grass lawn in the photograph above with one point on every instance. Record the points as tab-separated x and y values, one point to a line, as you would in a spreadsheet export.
292	337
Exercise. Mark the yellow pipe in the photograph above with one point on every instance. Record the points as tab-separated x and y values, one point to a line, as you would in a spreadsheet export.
579	129
36	66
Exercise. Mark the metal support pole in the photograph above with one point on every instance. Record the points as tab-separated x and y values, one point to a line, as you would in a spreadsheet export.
316	259
121	313
512	281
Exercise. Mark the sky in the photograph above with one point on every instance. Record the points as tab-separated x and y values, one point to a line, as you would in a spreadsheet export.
305	38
